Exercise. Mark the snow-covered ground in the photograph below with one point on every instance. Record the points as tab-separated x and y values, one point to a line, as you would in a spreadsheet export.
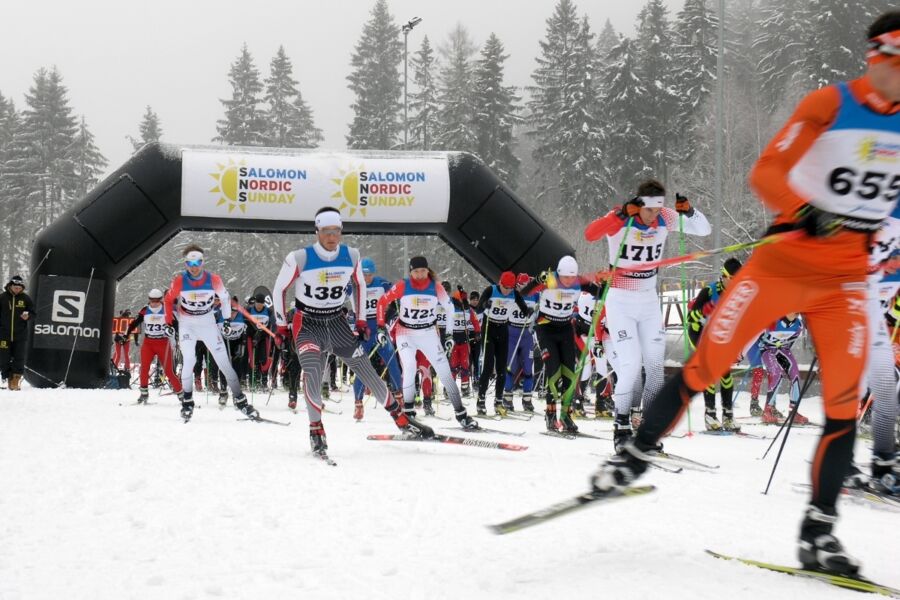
100	499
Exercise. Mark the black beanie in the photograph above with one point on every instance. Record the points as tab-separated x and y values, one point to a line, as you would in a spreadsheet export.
418	262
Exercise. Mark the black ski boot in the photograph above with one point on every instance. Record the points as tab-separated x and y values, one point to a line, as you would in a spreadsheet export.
728	422
292	401
481	407
550	417
622	432
187	406
508	401
145	395
409	409
621	469
885	474
578	407
427	407
241	404
223	398
466	422
818	549
465	390
416	428
527	406
317	442
567	422
755	409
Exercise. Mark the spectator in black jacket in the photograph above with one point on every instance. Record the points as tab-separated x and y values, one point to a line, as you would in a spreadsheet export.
16	308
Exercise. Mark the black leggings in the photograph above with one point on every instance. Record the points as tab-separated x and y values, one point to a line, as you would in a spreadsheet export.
557	342
496	347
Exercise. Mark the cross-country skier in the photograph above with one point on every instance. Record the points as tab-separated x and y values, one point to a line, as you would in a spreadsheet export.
519	362
818	180
775	352
698	312
466	327
259	343
319	275
418	297
386	359
496	304
156	344
633	313
596	357
192	296
235	343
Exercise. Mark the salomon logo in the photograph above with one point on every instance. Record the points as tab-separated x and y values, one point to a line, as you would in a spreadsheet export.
68	306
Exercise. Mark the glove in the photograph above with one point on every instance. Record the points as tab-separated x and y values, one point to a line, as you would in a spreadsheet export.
816	222
783	362
630	209
169	331
226	328
683	205
383	337
362	330
448	346
119	339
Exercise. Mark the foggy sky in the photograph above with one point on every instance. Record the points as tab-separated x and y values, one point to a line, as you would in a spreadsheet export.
116	57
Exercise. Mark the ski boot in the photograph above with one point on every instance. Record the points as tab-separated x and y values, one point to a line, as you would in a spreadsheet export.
885	474
578	407
755	409
709	418
197	386
317	442
467	422
567	422
770	416
292	401
241	404
481	407
145	395
603	408
550	417
325	393
622	432
798	418
213	386
637	416
466	390
408	424
409	408
187	406
500	408
728	422
629	462
359	410
527	406
427	406
818	549
223	398
508	401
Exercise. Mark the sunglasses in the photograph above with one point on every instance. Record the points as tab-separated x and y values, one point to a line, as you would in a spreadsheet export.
194	263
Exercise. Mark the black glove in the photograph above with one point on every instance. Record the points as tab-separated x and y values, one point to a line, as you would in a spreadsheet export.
632	208
683	205
818	223
783	361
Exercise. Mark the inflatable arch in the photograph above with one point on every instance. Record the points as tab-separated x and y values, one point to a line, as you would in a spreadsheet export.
164	189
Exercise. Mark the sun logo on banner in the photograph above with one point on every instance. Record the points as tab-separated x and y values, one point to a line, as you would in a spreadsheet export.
348	190
227	185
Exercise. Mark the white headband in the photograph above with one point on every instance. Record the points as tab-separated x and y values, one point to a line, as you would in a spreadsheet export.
193	255
329	218
653	201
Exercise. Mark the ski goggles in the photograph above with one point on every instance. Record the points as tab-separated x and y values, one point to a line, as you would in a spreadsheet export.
197	262
885	47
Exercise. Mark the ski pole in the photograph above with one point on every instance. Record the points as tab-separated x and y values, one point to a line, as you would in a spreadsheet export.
675	260
684	308
599	302
809	376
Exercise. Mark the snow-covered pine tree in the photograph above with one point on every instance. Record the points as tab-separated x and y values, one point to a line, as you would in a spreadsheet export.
308	135
87	160
9	204
244	122
289	119
782	40
42	166
149	130
581	156
376	83
837	38
696	39
654	43
423	98
495	112
554	76
607	39
456	101
624	107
